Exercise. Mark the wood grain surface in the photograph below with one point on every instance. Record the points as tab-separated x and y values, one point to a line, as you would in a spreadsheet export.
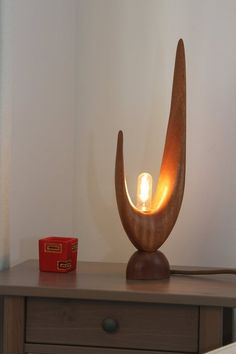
13	325
56	349
210	318
107	281
104	291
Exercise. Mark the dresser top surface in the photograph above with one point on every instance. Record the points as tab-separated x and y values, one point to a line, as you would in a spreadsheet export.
107	281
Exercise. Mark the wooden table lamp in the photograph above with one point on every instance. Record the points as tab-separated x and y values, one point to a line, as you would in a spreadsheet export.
149	223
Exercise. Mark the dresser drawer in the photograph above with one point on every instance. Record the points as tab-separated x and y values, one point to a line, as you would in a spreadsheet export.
112	324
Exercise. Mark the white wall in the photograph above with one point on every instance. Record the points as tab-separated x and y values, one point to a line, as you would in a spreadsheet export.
125	52
5	130
44	110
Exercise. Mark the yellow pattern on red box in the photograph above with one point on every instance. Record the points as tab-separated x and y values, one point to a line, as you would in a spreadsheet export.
64	265
53	247
74	247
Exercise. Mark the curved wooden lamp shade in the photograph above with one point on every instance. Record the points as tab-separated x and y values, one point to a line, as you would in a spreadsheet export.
148	231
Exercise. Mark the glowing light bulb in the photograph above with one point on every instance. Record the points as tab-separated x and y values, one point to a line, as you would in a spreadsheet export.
144	192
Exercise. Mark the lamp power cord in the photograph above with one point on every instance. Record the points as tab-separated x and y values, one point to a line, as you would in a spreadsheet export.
203	271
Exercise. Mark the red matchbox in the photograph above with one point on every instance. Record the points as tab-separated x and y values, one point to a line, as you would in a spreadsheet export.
58	254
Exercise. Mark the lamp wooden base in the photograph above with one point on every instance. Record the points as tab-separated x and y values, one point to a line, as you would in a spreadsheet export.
148	266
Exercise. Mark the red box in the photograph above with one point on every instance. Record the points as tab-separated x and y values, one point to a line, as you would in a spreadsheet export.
58	254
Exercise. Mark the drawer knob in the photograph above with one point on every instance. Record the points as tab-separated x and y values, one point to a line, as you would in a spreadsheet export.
110	325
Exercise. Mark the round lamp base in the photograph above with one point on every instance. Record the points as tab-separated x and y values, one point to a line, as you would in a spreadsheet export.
148	266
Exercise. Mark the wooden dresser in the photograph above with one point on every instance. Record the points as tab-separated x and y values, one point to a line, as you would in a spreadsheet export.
97	311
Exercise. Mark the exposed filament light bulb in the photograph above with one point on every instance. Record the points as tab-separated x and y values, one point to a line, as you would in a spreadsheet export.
144	192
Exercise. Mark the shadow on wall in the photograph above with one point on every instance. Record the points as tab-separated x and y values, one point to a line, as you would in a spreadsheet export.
107	221
28	246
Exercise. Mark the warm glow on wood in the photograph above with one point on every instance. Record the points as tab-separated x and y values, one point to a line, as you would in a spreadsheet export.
163	198
163	192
